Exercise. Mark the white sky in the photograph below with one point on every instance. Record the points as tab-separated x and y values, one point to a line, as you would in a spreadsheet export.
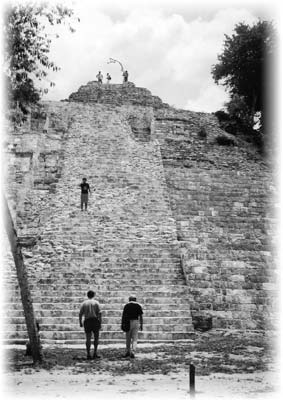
168	47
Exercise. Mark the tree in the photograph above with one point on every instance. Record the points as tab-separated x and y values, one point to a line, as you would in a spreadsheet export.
243	66
34	339
26	49
235	119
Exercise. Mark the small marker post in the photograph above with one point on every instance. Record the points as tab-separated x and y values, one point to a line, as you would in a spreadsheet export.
192	380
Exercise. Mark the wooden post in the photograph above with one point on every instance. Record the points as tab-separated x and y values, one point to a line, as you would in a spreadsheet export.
23	283
192	380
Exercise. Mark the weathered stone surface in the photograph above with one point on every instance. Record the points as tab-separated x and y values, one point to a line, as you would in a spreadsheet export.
117	95
125	243
170	206
202	323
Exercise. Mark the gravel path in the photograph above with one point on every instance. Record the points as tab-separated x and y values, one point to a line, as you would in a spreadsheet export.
227	367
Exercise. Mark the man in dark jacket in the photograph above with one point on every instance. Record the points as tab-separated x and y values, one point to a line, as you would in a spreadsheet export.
132	320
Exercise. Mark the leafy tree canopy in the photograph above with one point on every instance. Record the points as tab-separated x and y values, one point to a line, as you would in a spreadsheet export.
27	47
243	65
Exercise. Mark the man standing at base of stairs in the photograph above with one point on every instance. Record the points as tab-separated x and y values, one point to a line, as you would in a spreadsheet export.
85	190
131	321
90	308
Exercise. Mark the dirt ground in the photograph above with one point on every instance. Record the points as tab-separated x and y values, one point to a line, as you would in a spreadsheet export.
227	367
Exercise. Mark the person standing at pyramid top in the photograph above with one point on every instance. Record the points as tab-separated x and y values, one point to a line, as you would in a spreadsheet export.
125	76
99	77
85	190
108	77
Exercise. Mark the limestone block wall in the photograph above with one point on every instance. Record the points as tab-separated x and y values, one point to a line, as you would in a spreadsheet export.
32	165
141	121
222	200
116	94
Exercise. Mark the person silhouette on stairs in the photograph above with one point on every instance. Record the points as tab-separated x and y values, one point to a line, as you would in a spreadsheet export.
85	190
90	309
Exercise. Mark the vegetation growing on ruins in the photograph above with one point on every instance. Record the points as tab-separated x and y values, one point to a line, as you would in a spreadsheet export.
27	46
243	69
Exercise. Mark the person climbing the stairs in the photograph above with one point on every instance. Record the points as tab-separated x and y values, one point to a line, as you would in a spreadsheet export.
85	190
131	321
90	309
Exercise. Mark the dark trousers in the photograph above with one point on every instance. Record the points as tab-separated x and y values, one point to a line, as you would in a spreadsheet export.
91	325
84	200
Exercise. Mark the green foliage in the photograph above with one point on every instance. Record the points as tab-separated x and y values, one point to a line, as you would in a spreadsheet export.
239	111
222	116
224	140
26	49
242	68
231	123
237	118
226	123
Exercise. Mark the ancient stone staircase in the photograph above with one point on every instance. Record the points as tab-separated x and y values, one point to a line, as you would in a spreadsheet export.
126	243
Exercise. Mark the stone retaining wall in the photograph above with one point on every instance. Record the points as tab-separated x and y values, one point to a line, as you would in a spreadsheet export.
33	165
222	198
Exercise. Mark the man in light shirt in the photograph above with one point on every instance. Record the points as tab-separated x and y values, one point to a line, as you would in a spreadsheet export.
90	309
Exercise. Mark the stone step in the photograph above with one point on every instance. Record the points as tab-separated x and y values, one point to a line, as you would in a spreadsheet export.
92	267
98	226
127	232
73	327
108	272
100	287
131	247
121	262
150	297
85	269
112	303
70	320
94	260
68	290
110	292
129	286
123	278
110	313
148	304
102	280
78	337
99	284
81	272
